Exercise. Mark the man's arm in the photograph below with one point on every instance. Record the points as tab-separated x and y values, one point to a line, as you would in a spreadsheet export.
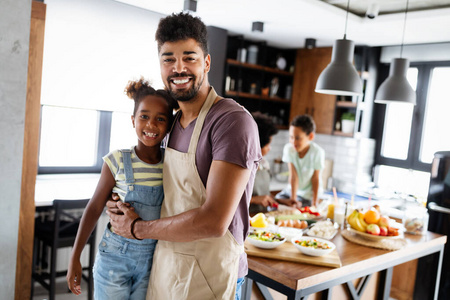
315	187
224	188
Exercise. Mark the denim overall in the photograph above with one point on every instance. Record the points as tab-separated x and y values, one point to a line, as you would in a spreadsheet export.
122	266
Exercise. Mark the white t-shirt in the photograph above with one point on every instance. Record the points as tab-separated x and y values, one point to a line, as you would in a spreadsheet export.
305	167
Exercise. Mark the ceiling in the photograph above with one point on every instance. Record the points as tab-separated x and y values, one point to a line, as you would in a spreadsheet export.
287	23
360	7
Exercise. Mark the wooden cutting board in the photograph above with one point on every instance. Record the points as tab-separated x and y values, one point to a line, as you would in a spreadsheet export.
288	252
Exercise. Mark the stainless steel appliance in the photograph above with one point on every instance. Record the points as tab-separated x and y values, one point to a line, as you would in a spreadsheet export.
438	205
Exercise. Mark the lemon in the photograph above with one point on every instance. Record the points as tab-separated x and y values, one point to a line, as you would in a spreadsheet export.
259	220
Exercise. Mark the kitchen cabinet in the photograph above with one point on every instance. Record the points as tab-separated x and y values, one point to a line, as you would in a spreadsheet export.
309	64
328	110
260	77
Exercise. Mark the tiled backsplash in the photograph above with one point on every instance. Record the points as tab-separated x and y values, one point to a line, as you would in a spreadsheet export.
352	158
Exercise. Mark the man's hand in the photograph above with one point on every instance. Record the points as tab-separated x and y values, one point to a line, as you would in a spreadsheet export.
121	221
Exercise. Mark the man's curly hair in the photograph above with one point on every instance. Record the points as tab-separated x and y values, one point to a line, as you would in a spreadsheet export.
182	26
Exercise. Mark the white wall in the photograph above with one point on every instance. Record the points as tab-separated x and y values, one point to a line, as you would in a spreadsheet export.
14	41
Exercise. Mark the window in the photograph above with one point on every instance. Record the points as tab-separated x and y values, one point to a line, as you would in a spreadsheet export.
123	135
397	125
68	137
436	133
411	135
92	49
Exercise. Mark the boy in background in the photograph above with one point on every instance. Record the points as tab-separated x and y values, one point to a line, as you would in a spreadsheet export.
306	161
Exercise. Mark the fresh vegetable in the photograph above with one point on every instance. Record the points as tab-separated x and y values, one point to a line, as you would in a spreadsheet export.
265	236
310	210
313	244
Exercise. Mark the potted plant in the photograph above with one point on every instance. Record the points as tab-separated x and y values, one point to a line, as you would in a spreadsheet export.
348	122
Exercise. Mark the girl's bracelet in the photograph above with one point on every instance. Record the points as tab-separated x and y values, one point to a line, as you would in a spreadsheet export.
132	228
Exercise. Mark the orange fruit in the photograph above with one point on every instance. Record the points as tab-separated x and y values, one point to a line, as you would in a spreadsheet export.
372	216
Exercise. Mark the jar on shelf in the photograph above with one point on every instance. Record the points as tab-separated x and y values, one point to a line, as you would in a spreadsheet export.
415	220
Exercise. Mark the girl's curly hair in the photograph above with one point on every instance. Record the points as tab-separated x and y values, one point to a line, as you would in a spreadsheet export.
138	89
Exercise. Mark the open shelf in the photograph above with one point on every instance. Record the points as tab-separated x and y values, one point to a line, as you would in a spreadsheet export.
255	96
258	67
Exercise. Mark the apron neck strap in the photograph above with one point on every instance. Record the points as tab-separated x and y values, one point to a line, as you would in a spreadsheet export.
201	119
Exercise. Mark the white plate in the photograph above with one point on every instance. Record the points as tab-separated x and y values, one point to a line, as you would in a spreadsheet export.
264	244
375	237
311	251
290	232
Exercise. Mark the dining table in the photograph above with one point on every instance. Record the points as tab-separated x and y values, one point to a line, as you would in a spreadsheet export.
299	280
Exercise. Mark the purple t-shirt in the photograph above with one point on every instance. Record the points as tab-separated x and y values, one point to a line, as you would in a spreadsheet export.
229	134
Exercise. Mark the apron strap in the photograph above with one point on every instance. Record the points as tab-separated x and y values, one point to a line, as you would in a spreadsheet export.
127	166
200	120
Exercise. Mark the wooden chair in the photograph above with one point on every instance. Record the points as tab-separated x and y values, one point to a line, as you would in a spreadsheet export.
55	233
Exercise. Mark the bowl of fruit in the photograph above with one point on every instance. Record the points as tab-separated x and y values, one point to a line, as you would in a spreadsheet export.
313	246
371	224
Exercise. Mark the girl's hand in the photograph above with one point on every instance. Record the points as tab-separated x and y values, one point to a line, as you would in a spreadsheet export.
74	276
111	204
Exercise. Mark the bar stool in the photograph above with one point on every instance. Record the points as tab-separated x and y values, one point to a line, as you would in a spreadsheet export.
55	234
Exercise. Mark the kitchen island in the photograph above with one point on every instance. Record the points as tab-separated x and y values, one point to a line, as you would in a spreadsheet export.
297	280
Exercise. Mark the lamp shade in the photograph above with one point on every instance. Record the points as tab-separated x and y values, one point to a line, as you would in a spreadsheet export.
396	87
340	76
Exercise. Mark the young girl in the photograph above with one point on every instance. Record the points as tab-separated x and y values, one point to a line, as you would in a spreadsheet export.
122	266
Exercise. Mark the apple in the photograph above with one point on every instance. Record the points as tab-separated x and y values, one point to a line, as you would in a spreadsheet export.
383	230
373	229
384	221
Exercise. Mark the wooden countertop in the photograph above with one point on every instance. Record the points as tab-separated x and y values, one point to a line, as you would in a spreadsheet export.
356	260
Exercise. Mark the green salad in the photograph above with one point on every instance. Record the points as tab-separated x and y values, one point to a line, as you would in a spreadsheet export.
265	236
313	244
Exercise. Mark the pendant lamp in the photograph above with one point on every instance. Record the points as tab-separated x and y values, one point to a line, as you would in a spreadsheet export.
340	76
396	88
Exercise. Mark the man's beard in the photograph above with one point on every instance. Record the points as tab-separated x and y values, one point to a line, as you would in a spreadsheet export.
187	95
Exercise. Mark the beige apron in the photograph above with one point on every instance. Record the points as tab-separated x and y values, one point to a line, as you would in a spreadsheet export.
199	270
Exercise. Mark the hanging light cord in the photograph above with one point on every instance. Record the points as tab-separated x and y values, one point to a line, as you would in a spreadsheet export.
346	19
404	27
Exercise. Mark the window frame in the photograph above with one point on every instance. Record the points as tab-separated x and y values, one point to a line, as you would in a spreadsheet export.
413	162
103	141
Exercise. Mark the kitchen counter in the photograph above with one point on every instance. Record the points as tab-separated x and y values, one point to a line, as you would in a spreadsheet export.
298	280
